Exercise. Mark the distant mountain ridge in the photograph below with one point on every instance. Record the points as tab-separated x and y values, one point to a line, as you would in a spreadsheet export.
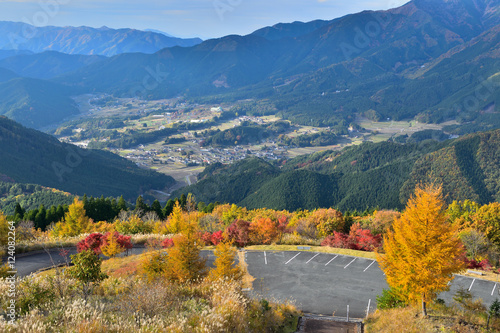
10	53
6	75
48	64
85	40
295	29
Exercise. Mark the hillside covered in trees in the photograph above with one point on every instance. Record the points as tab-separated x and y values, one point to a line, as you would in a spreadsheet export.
29	156
370	175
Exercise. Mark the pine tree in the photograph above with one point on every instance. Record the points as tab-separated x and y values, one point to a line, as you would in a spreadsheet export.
156	207
140	205
168	209
40	217
122	204
18	212
183	200
51	215
422	251
30	215
60	212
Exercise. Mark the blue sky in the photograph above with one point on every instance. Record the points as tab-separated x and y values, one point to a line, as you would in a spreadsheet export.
183	18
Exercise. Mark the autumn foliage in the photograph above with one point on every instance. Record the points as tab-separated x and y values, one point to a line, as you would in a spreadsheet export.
225	267
112	242
263	231
422	253
239	232
75	221
167	242
357	239
212	238
327	221
91	242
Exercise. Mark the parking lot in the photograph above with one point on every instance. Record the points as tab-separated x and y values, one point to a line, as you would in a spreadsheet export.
486	290
324	283
320	283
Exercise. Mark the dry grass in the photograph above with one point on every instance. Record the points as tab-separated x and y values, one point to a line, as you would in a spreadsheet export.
401	320
490	276
247	280
123	266
322	249
469	317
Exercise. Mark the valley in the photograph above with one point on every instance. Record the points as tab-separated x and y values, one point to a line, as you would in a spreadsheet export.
183	155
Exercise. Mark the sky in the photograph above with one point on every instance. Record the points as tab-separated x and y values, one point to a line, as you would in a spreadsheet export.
183	18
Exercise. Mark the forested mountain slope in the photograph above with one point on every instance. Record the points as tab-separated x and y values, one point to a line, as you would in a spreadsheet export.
370	175
29	156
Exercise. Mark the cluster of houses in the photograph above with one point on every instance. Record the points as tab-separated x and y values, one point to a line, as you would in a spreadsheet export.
194	155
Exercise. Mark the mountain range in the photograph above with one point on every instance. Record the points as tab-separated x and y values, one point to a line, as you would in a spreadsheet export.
85	40
402	63
432	60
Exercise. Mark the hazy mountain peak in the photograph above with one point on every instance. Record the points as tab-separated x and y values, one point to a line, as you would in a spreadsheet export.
86	40
159	32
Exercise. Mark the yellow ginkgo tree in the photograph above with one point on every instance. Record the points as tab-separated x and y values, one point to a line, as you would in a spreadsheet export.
421	253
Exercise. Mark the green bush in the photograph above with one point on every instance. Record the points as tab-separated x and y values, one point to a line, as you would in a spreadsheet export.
390	300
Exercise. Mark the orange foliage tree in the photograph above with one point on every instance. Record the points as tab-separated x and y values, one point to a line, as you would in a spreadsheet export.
263	230
380	221
176	220
423	249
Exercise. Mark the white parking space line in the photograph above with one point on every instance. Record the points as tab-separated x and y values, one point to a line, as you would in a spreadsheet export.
494	287
265	257
349	263
471	284
369	266
331	260
317	254
368	308
292	258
